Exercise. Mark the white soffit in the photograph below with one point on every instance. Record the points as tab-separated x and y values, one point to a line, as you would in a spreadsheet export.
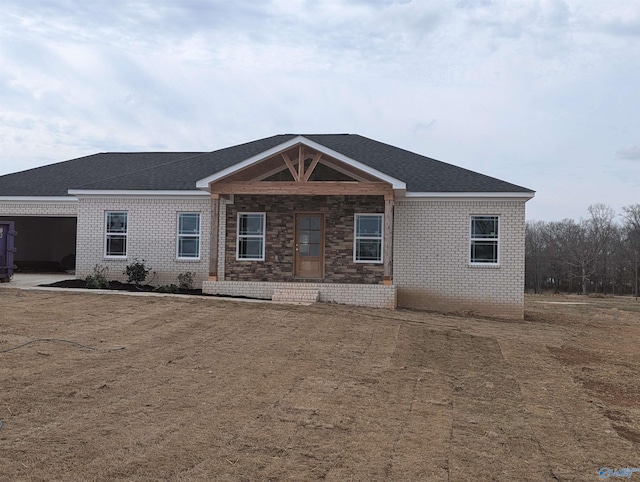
204	183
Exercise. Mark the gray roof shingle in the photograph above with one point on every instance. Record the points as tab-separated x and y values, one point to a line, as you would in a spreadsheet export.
177	171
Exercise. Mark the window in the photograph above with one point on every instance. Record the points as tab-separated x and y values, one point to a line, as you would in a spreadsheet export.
250	243
188	235
368	238
116	235
484	239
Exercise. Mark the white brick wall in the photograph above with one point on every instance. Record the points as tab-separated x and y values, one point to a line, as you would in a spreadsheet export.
431	258
152	236
375	296
42	208
431	251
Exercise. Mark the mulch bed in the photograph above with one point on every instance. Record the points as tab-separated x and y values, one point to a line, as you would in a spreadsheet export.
117	286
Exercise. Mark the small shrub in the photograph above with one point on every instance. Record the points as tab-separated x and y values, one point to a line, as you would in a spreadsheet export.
597	295
166	288
185	281
97	280
136	272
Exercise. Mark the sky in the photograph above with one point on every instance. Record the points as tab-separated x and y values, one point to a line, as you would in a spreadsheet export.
541	93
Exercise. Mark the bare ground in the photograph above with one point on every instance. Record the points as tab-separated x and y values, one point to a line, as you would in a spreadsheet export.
204	389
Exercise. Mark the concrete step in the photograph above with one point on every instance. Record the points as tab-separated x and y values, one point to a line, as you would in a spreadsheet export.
296	295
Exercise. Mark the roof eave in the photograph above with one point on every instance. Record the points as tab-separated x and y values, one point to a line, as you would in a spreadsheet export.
132	193
500	195
38	199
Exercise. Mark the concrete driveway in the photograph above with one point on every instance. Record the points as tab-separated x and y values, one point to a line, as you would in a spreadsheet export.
31	280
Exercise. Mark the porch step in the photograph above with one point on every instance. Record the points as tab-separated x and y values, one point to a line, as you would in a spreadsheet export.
296	295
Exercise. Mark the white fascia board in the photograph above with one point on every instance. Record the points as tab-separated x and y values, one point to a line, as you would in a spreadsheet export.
125	193
467	195
204	183
38	199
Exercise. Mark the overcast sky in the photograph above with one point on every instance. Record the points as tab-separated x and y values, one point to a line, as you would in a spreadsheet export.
544	94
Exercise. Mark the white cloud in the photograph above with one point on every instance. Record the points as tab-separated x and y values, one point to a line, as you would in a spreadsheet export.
538	92
631	153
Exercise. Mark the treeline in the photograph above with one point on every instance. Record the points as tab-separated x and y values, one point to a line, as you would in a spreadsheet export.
597	254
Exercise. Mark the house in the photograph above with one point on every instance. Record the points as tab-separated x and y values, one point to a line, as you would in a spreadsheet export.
342	218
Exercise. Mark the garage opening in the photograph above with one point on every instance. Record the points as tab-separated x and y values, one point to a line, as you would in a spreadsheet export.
45	244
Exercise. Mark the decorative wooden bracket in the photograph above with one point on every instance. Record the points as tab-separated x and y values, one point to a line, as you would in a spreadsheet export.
301	175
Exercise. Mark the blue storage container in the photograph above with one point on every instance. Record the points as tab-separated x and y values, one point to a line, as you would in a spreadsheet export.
7	248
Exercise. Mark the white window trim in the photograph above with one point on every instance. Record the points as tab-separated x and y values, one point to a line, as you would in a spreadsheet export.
198	236
471	240
356	237
238	236
106	235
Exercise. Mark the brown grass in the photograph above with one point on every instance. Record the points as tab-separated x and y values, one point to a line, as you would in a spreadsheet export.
203	389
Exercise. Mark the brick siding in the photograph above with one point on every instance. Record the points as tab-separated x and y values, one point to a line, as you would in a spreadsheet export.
431	258
41	208
374	296
152	236
431	248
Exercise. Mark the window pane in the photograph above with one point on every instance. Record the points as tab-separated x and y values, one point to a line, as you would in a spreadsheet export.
116	245
304	222
369	226
484	227
189	224
314	222
188	247
304	236
251	224
250	248
314	237
303	250
314	250
368	250
116	222
484	252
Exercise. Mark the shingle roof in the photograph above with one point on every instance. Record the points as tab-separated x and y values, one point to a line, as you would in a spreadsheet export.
57	179
176	171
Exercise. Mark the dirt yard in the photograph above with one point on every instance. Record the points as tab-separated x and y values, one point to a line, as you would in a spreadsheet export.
191	389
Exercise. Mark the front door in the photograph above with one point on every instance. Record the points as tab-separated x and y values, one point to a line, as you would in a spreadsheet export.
309	254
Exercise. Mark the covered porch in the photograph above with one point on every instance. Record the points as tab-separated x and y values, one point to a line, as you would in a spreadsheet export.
300	221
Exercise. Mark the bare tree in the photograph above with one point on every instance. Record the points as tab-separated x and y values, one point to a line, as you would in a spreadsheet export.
581	250
535	246
596	253
631	216
601	229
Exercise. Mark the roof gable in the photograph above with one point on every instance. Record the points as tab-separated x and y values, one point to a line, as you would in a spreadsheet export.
291	143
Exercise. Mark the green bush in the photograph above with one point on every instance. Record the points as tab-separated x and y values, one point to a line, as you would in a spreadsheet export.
136	272
97	280
166	288
185	280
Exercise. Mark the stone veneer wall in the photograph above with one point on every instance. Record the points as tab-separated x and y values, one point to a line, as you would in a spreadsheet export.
152	236
431	258
280	212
